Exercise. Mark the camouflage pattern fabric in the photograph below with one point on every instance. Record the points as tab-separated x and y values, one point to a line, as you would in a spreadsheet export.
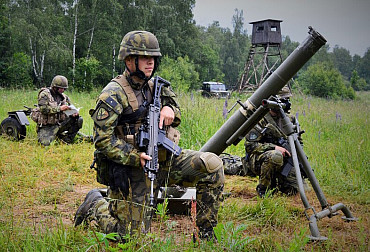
51	121
139	43
263	160
130	213
133	214
65	131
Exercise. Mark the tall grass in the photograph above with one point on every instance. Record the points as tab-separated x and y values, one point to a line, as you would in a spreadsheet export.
37	183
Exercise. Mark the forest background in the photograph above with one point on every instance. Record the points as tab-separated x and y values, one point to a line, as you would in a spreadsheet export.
41	188
80	39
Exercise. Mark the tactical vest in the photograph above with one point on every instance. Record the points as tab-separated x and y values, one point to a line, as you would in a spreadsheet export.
51	119
132	116
272	132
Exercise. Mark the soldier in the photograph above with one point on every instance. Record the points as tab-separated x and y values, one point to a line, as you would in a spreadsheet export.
120	110
265	155
52	122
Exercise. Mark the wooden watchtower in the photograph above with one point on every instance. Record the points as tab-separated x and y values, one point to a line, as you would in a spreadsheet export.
264	55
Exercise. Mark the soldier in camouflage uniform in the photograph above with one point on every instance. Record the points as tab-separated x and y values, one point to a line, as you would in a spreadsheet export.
120	110
265	155
49	115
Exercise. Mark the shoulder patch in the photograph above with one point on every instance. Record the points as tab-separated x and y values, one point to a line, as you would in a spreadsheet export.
253	136
102	114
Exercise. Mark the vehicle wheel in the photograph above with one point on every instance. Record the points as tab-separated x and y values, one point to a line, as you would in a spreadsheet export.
13	129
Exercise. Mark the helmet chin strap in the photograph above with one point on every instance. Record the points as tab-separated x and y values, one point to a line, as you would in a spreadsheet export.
140	74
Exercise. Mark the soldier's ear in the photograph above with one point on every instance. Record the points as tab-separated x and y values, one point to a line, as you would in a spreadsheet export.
130	63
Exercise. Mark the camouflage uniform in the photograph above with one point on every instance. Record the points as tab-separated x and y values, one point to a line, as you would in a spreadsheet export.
263	160
126	209
51	121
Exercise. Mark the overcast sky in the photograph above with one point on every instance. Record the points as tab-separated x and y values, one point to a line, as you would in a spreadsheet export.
342	22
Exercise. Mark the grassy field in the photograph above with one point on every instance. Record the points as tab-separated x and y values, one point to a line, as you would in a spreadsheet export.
41	188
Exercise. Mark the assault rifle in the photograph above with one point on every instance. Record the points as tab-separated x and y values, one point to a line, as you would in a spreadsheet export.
151	137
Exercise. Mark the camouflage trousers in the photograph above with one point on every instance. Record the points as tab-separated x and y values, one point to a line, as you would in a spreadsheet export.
131	214
65	131
268	166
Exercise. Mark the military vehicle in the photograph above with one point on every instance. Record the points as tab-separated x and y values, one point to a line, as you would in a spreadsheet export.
214	89
14	126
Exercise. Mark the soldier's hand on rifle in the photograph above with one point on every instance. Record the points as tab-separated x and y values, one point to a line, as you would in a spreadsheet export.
143	158
282	150
64	107
167	116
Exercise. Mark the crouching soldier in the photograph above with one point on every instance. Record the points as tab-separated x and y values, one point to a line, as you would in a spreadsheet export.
49	115
120	111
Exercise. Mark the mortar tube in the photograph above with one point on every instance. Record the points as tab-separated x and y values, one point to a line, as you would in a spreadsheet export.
274	83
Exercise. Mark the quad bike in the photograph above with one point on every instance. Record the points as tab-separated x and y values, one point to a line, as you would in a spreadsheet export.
15	124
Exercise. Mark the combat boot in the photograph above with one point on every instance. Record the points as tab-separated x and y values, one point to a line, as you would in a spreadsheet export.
205	235
261	190
91	198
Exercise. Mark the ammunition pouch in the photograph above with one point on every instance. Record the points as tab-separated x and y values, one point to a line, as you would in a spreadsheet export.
102	168
173	134
36	115
44	119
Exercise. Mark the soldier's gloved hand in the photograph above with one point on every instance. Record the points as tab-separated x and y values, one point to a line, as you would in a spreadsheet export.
166	116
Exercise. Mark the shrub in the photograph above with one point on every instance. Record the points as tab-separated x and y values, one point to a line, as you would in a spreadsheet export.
323	80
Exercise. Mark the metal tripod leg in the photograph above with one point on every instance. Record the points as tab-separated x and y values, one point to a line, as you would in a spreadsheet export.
298	154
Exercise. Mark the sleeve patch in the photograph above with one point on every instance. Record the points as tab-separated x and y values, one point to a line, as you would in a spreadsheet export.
102	114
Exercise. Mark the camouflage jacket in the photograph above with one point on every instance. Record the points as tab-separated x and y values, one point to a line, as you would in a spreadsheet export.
48	110
113	107
265	136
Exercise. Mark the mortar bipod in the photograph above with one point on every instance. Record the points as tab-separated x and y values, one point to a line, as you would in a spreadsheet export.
298	155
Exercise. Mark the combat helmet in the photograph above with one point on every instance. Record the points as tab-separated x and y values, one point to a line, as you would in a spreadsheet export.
140	43
59	81
285	93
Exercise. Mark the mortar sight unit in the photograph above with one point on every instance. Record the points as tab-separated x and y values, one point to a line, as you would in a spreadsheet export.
256	107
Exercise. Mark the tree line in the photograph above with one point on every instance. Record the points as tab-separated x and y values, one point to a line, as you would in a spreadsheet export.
80	39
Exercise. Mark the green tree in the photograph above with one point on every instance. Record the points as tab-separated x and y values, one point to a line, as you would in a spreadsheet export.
342	61
363	68
86	71
18	72
324	80
4	42
357	83
234	50
180	73
40	29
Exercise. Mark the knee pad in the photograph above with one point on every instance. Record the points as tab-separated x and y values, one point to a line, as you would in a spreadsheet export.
277	158
211	161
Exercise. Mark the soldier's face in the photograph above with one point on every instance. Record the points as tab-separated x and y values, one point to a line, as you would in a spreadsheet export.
61	90
145	63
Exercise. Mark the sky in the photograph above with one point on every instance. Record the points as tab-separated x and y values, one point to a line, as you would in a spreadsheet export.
345	23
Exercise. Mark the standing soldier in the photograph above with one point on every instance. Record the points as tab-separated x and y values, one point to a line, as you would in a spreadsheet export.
52	122
120	110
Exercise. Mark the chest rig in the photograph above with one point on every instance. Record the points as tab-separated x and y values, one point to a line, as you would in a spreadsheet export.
132	116
54	100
